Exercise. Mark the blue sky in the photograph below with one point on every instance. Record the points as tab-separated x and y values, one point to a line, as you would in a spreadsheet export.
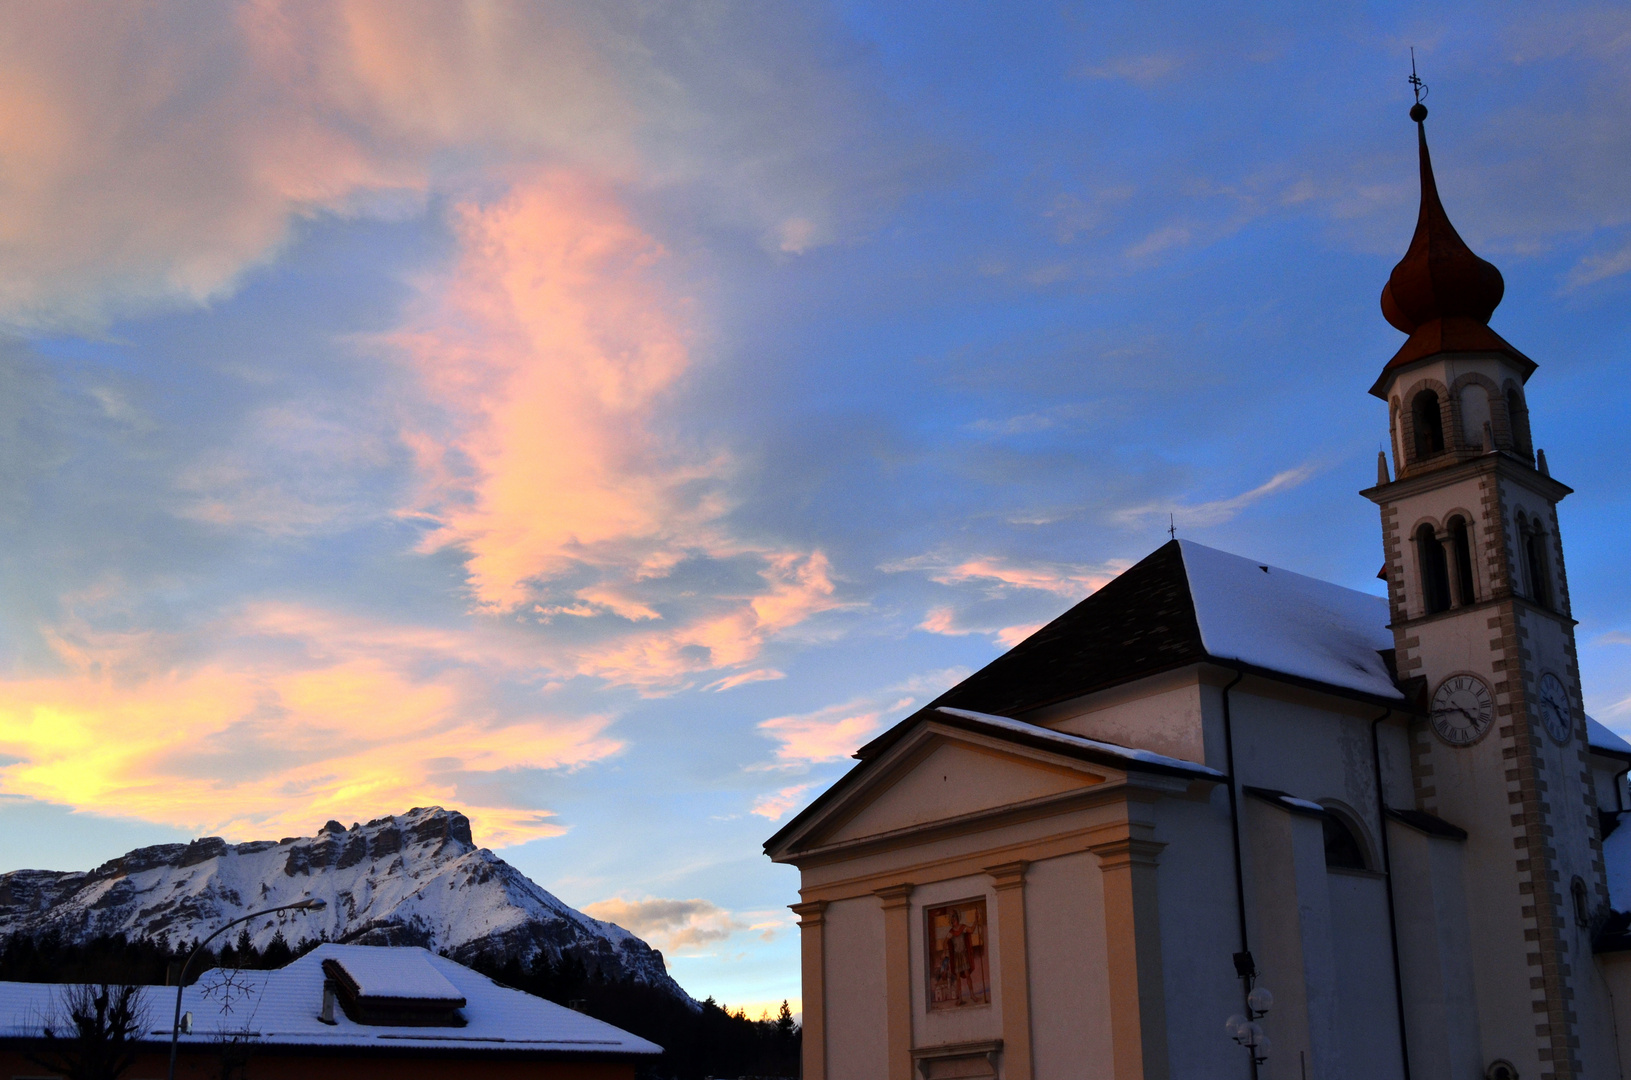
602	420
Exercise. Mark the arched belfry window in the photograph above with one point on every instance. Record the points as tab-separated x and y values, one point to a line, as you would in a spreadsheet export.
1342	848
1435	570
1429	424
1535	565
1582	906
1517	420
1461	549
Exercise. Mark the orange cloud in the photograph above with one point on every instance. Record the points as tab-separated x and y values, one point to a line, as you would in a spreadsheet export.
836	731
550	349
301	717
550	344
1063	579
832	733
731	682
776	804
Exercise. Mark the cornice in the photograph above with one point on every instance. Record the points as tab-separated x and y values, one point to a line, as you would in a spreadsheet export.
1504	463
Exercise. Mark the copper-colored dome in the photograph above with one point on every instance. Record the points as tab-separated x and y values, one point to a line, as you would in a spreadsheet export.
1439	276
1440	293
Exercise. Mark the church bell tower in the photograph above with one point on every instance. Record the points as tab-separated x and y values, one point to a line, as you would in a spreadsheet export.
1480	616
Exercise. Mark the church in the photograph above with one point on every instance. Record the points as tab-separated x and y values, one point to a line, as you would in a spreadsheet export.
1220	820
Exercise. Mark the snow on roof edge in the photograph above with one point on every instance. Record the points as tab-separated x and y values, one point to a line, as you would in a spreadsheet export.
1126	753
1599	736
1282	621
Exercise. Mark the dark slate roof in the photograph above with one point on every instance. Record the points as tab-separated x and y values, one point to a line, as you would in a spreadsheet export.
1140	623
1185	603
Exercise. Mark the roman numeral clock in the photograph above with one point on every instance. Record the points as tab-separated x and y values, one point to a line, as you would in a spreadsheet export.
1463	709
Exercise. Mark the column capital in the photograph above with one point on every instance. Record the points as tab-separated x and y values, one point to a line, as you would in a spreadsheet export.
1009	875
1126	851
895	896
810	913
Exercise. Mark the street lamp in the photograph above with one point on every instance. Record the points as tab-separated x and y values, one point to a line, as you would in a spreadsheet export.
181	980
1245	1030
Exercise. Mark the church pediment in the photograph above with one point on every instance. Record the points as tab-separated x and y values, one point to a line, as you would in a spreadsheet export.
952	778
943	774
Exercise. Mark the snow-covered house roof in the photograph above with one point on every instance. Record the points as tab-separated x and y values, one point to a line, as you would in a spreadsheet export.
1186	603
1605	742
283	1008
394	975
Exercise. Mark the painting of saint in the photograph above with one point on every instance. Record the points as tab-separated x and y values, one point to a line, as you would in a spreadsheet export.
959	975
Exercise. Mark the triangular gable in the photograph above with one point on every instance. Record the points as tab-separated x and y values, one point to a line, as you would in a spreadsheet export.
950	777
938	773
1004	741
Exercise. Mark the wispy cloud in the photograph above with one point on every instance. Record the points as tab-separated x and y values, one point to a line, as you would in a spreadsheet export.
1145	69
776	804
1217	511
834	732
671	925
1074	580
1598	267
731	682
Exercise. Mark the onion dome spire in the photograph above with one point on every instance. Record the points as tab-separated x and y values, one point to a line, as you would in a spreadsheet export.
1440	293
1439	276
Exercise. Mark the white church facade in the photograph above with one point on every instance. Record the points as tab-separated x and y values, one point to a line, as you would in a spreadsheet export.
1214	777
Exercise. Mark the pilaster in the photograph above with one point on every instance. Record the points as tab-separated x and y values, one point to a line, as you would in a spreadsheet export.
1132	930
897	946
1009	882
813	961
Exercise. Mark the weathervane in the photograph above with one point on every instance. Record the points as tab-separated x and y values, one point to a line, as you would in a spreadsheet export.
1418	111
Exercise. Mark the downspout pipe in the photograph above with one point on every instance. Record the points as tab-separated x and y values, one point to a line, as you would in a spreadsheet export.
1234	832
1387	869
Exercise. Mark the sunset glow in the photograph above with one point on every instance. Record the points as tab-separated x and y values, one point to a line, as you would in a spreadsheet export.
604	419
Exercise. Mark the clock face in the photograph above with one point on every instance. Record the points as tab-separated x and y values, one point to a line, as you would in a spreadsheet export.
1553	705
1463	709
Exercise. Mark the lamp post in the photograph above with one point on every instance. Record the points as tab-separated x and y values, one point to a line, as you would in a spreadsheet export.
1245	1030
181	980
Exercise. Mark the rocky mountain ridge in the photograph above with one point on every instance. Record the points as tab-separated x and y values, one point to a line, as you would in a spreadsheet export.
408	879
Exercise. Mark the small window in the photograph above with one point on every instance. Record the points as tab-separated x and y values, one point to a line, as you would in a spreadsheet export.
1342	850
1429	424
1534	557
1461	543
1582	907
1435	570
1517	418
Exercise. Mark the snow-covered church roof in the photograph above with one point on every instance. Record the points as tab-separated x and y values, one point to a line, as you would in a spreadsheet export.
1186	603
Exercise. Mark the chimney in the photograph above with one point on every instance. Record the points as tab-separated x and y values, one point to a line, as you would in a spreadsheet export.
327	1015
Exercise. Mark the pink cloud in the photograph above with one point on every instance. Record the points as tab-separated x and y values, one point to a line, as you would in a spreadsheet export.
776	804
731	682
832	733
550	349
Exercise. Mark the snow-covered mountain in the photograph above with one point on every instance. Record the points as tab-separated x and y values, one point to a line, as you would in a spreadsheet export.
410	879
